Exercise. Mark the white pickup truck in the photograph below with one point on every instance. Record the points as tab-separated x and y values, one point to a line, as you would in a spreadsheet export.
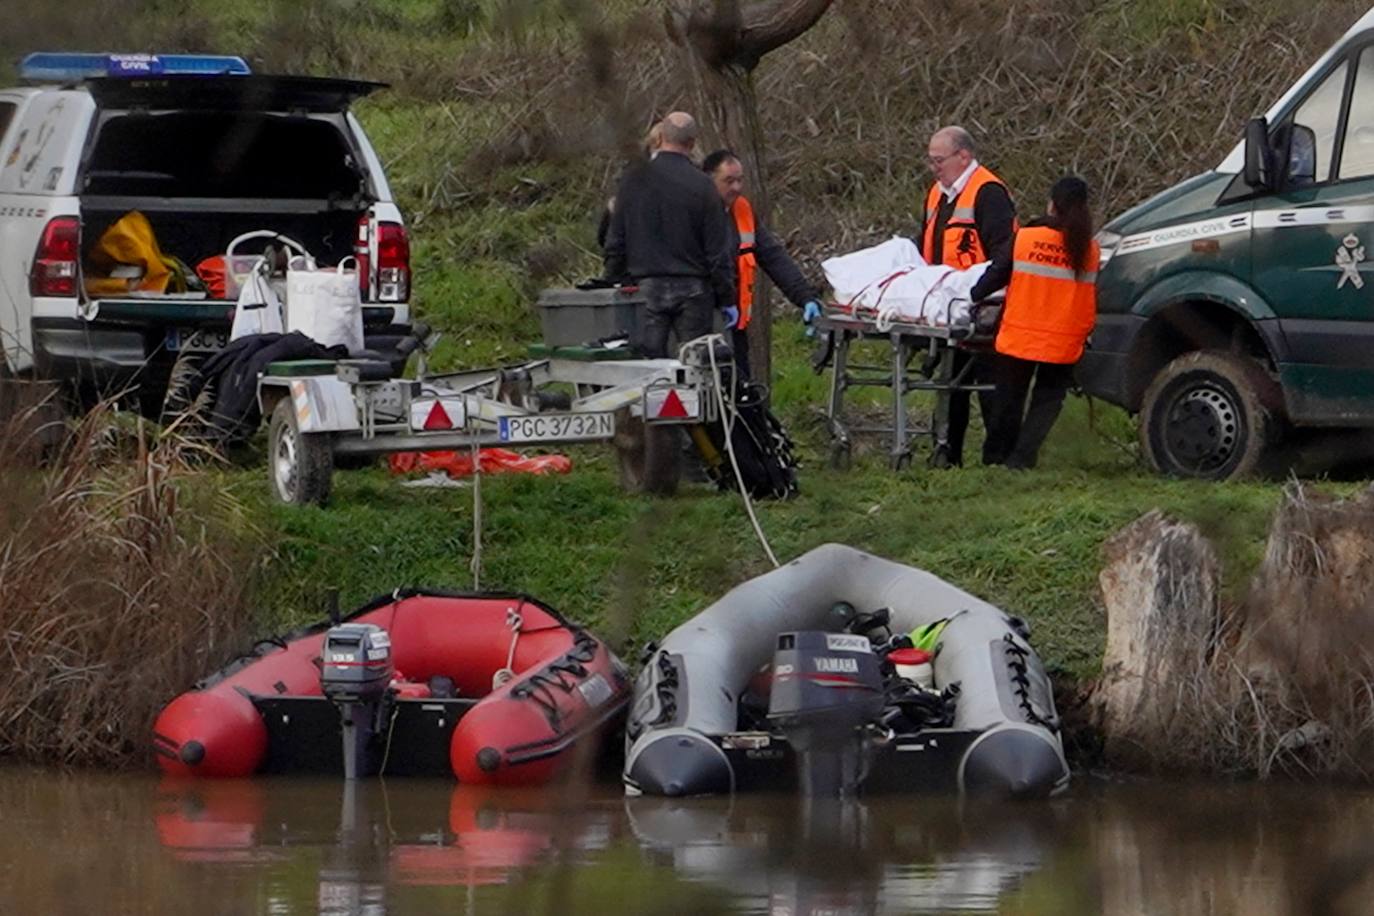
206	151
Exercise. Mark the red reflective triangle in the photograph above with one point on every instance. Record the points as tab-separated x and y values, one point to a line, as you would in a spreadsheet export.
672	406
438	417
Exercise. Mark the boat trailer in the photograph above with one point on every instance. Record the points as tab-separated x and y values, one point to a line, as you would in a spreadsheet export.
323	410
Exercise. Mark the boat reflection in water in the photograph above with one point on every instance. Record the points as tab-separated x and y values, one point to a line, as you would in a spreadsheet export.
415	846
418	834
846	857
790	856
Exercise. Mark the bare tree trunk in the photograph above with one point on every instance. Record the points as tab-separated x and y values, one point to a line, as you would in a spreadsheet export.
1160	589
724	41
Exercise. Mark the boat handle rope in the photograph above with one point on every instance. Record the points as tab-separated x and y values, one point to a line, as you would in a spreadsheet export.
541	685
515	622
1016	660
666	689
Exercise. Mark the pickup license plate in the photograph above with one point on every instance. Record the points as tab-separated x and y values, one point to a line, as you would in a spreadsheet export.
196	340
557	427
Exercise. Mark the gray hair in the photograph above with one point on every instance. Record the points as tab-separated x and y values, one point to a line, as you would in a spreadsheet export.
962	139
680	129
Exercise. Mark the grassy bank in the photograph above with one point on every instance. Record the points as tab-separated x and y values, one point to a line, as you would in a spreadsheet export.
636	567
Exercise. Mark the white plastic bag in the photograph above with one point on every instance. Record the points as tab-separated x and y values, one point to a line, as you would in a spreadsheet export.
258	310
325	304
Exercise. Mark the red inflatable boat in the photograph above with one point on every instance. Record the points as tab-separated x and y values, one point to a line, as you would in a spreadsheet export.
496	689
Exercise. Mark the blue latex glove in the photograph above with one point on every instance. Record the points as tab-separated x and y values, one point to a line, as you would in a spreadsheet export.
810	312
731	314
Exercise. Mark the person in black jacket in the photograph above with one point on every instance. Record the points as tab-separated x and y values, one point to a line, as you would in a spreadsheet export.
755	248
653	140
670	235
969	218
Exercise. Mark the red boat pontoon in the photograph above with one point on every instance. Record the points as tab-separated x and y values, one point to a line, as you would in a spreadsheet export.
500	688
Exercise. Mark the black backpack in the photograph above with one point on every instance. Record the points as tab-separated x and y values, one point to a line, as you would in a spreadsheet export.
767	466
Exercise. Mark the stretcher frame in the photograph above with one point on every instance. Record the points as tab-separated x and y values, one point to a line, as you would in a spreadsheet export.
941	343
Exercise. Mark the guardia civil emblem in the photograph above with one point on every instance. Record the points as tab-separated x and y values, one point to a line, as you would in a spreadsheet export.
1348	258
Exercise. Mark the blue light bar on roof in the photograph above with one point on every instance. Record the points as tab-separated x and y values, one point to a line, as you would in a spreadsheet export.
68	67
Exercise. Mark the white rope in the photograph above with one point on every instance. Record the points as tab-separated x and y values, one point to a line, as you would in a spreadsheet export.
476	564
515	622
728	416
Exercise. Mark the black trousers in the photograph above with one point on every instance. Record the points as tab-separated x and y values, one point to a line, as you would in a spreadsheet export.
1016	432
739	345
960	402
682	304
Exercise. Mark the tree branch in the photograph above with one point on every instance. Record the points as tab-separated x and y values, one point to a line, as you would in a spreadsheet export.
726	32
771	24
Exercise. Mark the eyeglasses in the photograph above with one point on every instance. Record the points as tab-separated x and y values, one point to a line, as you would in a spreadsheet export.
936	161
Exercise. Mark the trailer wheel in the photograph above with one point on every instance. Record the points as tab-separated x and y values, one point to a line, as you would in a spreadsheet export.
301	465
1211	415
650	457
189	415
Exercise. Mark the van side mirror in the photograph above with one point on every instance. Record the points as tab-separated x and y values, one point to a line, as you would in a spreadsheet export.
1259	171
1301	157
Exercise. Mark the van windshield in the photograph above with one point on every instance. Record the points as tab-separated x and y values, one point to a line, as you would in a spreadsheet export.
223	154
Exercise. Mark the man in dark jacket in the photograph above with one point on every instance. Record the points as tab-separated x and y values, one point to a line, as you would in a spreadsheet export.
669	235
755	247
969	218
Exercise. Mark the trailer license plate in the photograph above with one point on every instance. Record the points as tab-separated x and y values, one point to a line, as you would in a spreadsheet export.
557	427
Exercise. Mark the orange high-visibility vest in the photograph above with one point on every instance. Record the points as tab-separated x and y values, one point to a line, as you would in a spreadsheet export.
961	247
1050	310
746	265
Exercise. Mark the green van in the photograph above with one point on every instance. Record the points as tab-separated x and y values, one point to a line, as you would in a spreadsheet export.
1239	304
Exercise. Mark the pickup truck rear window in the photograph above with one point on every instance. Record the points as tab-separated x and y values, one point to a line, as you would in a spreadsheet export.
223	154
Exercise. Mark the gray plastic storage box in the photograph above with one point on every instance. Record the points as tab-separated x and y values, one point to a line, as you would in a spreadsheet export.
572	317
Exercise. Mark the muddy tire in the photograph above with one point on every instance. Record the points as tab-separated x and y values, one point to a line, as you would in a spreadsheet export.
300	465
189	416
650	457
1211	415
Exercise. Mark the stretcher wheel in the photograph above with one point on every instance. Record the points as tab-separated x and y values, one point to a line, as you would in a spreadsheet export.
841	456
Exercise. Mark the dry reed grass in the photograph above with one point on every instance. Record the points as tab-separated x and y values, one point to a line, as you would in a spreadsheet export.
122	579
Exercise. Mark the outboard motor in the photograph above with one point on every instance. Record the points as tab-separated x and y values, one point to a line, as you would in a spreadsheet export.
827	689
355	672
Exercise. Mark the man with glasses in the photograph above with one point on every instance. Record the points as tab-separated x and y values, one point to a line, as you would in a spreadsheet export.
969	219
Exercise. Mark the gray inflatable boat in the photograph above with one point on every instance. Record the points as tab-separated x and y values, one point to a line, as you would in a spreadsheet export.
685	734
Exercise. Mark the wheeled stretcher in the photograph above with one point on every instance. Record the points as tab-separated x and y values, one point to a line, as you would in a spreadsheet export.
939	371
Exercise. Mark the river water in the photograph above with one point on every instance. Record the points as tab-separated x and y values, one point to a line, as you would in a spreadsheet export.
85	844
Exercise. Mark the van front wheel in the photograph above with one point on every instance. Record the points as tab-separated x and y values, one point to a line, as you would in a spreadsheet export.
1211	415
